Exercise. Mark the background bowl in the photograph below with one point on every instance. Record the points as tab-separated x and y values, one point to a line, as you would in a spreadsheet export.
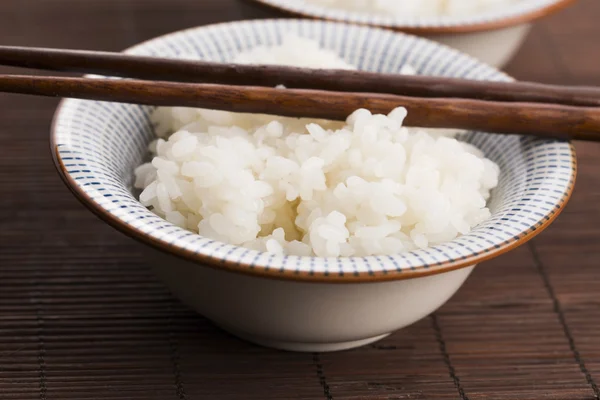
492	37
304	303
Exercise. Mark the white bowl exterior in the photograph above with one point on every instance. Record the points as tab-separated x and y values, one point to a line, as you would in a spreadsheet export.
495	47
304	316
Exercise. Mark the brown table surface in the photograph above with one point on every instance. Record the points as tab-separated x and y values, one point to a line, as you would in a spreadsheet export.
82	318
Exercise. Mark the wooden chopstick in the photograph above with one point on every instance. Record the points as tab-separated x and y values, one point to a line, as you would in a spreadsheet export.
150	68
548	120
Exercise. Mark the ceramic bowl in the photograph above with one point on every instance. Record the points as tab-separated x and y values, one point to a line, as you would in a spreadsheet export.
492	37
304	303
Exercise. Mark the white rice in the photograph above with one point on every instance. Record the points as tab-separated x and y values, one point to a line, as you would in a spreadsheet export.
416	8
307	187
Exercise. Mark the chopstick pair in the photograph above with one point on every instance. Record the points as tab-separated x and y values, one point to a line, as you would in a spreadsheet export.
432	102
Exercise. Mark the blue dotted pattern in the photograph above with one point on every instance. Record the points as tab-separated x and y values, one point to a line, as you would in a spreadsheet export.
99	144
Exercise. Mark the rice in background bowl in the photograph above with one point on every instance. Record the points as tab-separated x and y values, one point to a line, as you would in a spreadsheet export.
489	30
306	303
417	8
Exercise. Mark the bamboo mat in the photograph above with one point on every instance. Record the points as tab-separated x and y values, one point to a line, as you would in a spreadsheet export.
90	322
81	317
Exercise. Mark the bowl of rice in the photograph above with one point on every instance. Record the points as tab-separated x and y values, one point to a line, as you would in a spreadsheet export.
309	235
490	30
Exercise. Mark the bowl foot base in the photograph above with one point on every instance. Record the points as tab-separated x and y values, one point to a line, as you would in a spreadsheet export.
305	347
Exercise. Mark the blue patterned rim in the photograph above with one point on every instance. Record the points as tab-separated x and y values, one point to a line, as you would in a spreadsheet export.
96	146
512	14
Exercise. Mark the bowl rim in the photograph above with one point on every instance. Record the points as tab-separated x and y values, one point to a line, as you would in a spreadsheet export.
300	276
427	26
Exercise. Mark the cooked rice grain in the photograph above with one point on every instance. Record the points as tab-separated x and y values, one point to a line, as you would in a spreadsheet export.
305	187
